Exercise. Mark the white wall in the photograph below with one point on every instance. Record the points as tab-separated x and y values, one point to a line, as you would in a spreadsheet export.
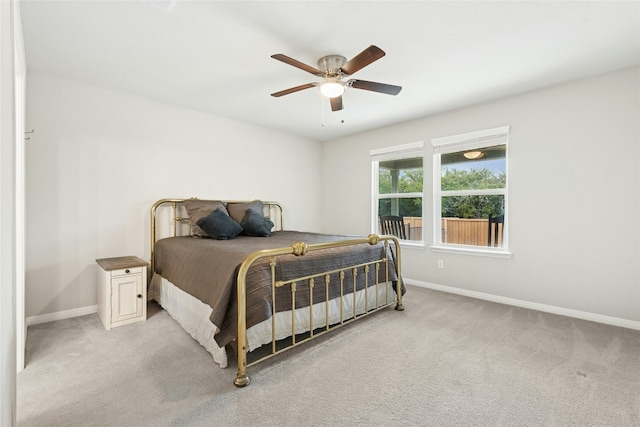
574	196
99	159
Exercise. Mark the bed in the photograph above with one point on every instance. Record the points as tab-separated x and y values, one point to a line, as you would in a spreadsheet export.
235	279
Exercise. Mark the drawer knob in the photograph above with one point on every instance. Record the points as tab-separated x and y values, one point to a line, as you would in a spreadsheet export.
139	295
127	271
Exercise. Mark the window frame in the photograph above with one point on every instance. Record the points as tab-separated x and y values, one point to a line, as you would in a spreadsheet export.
396	152
463	142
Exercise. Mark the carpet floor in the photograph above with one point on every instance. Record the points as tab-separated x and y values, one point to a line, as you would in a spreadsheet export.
447	360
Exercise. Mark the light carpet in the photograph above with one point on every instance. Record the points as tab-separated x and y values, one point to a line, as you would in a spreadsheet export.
447	360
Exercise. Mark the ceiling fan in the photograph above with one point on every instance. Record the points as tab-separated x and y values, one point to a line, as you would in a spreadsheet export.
333	69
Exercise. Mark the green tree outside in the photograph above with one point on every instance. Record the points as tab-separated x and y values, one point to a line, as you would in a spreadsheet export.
410	181
472	206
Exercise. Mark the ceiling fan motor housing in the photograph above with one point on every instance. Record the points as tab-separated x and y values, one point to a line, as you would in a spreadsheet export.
330	65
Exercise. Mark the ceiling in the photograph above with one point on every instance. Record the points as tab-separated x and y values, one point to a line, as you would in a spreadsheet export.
215	56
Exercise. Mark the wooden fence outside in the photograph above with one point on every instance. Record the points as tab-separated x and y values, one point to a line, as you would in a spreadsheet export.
459	231
464	231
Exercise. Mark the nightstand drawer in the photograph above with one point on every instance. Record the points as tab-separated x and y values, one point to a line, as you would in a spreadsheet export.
126	271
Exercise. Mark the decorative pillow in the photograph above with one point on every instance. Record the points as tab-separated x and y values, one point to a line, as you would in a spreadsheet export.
255	224
219	225
238	210
197	209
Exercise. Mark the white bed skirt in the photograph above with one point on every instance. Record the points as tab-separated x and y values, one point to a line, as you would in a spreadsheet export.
193	315
190	313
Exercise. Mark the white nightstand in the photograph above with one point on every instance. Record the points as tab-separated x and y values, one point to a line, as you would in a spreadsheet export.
122	290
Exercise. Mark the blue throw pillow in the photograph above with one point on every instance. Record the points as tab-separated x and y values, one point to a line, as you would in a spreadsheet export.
219	225
256	224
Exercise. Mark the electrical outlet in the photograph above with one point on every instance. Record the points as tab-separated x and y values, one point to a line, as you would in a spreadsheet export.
440	263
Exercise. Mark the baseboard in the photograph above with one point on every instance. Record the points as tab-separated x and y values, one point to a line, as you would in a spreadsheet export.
59	315
584	315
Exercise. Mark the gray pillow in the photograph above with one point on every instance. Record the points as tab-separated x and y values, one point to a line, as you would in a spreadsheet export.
256	224
238	210
219	225
197	209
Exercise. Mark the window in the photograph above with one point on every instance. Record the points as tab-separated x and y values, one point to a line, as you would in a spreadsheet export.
470	191
397	188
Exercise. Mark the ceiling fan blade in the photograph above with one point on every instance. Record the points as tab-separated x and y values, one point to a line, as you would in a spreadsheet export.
375	87
293	89
336	103
364	58
297	64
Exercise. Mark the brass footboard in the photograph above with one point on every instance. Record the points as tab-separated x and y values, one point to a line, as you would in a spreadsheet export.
346	291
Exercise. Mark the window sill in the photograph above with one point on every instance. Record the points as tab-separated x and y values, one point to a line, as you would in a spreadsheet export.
471	251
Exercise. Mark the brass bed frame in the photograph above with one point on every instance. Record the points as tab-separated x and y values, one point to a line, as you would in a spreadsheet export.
273	210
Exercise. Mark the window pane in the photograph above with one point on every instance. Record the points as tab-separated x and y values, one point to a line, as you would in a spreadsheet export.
465	220
410	209
484	168
400	176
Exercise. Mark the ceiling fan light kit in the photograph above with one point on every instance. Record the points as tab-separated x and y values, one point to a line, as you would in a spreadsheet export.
332	88
333	69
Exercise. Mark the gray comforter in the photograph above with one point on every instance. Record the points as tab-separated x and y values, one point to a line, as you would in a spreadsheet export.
207	269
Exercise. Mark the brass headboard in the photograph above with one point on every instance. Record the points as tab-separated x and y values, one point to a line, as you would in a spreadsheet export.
178	217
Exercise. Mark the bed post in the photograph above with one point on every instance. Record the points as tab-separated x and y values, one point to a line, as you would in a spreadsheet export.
297	249
242	379
152	234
